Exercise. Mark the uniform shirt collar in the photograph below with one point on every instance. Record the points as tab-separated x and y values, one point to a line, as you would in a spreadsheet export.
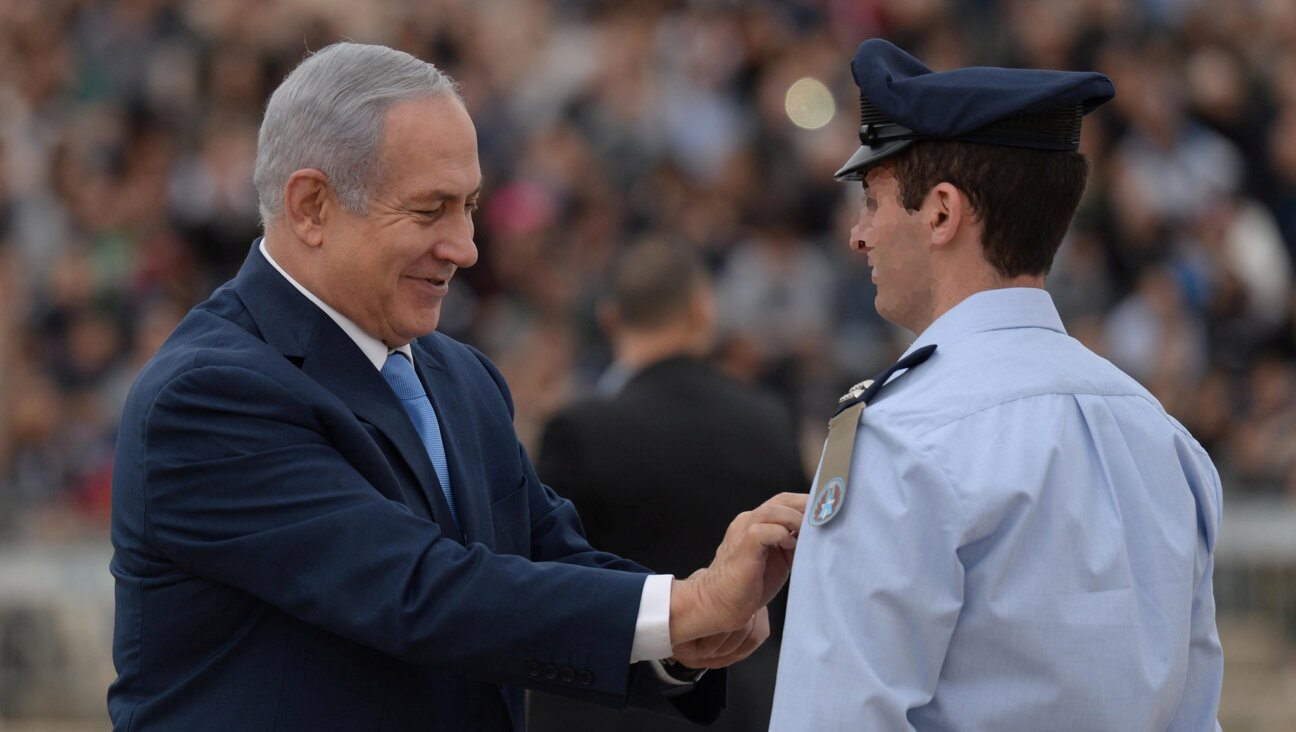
373	349
1009	307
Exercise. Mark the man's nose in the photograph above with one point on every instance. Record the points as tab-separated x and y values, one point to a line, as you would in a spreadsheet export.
458	245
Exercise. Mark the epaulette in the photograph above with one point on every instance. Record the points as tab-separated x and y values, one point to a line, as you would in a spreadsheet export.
834	467
866	391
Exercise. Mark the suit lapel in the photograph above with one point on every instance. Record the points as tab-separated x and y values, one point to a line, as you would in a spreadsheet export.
338	364
454	409
449	401
309	338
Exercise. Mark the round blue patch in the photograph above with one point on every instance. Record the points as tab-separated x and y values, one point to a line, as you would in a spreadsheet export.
828	502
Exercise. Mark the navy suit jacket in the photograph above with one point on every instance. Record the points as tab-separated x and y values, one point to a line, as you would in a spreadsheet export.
283	552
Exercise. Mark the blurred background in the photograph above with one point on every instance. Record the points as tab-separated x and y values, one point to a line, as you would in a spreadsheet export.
127	136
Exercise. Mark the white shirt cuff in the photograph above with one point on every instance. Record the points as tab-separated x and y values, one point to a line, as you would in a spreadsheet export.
652	629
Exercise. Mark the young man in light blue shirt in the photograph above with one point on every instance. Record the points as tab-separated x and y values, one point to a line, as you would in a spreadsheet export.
1015	535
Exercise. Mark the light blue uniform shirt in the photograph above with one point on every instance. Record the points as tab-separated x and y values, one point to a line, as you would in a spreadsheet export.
1026	543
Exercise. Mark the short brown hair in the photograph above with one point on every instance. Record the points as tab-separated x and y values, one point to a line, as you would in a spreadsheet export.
653	281
1024	198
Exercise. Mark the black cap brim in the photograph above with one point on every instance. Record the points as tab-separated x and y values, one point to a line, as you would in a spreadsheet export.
868	156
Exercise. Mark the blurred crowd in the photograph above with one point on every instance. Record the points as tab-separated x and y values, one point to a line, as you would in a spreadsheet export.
128	131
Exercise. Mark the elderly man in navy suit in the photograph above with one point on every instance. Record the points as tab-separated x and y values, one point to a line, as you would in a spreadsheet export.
322	517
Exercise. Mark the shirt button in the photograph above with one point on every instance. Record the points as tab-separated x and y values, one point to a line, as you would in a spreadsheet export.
567	675
586	678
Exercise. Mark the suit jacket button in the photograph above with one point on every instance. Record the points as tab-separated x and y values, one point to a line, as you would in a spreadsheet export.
550	671
533	668
567	675
586	678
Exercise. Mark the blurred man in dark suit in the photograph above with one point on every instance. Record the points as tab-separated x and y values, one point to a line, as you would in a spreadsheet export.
668	449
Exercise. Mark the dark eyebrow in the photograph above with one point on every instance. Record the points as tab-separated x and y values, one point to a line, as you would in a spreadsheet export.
439	194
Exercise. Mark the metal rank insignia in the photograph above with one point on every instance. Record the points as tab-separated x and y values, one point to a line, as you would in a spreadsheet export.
834	468
856	391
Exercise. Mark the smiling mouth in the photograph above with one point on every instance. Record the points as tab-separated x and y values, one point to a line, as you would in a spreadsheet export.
439	283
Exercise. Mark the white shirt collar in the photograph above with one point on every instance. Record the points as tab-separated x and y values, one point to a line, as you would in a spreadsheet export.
374	350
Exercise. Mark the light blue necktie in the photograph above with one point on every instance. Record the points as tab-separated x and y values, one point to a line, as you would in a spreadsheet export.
399	373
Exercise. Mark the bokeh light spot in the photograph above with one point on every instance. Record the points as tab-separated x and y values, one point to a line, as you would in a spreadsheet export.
809	104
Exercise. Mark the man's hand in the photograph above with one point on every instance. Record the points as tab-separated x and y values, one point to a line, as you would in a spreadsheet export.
750	567
722	649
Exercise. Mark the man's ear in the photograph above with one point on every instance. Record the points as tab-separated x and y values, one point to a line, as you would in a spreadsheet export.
307	204
947	212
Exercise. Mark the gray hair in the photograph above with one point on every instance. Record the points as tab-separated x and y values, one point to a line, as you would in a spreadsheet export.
328	115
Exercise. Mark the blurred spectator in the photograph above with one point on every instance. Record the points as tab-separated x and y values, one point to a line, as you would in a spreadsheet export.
1177	163
1243	276
672	442
1282	157
774	296
1262	443
1152	335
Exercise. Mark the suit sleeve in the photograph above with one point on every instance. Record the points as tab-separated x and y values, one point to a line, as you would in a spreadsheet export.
242	487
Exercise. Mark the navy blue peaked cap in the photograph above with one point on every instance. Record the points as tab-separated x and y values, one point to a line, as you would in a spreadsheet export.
902	101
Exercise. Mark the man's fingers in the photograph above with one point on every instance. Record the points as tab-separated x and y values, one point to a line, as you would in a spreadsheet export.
750	566
756	632
787	501
733	641
750	642
720	644
785	509
769	535
793	500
